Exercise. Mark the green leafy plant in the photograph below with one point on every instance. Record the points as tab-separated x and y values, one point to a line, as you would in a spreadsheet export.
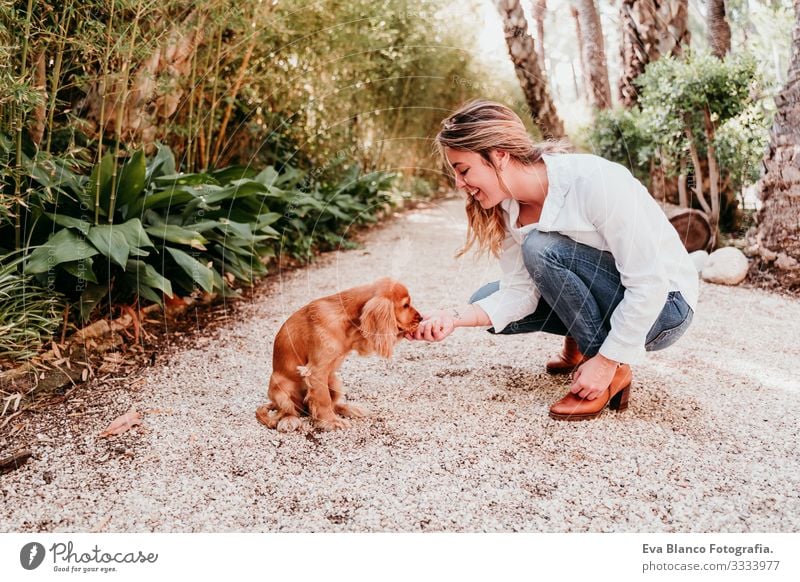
700	120
29	313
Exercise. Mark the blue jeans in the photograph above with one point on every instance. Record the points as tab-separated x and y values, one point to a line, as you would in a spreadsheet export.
581	288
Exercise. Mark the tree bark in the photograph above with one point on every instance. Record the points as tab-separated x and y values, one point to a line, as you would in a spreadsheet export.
539	11
718	30
778	235
594	54
649	29
522	51
579	36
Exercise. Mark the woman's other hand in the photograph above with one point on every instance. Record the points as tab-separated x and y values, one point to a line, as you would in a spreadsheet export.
593	377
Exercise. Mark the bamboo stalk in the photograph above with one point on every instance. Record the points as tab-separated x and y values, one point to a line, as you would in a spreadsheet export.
191	144
236	86
213	101
121	112
20	123
103	111
56	78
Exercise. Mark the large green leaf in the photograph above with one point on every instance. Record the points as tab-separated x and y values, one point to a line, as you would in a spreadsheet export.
131	179
62	247
135	234
82	269
268	176
147	275
185	180
178	234
110	241
171	197
90	298
199	273
234	190
225	175
69	221
162	164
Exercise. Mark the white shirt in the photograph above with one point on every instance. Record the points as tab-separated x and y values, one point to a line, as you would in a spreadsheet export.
599	203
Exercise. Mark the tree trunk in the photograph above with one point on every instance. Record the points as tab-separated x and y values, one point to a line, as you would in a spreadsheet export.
36	129
779	217
531	78
649	29
539	10
595	54
718	30
579	36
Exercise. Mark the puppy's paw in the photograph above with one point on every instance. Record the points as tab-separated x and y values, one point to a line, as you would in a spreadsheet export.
350	411
333	423
264	417
289	424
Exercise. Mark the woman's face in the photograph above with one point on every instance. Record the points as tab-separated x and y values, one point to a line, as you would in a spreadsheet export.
476	176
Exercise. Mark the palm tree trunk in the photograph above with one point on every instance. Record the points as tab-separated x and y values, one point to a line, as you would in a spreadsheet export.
539	10
649	29
594	54
579	36
779	217
718	30
531	77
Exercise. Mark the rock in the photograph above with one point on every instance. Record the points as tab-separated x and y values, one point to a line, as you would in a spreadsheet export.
727	266
700	259
785	262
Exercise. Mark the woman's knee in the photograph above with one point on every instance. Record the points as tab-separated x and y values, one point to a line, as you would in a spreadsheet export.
538	248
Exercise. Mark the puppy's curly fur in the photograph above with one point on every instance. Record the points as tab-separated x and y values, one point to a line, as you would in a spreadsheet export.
312	344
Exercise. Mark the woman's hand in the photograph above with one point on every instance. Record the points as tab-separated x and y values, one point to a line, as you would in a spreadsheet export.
434	326
593	377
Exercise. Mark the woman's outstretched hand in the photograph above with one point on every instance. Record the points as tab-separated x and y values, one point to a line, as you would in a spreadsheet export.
593	377
434	327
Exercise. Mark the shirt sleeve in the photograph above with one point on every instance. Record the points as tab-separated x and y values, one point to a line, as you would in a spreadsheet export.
631	223
517	296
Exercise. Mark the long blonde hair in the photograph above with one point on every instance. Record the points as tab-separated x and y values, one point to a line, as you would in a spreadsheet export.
481	126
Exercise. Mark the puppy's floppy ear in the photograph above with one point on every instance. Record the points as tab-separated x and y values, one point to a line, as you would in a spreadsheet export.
379	325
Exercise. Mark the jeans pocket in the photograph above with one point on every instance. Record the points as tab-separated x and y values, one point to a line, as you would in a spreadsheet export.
669	336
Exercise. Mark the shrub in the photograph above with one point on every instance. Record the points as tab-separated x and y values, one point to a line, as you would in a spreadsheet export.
29	314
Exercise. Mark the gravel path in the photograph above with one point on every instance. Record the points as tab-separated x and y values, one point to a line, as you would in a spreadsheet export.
458	437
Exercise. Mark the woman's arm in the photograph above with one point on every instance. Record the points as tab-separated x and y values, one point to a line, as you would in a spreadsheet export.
438	325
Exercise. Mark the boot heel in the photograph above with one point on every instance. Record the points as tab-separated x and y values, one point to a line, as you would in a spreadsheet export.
620	400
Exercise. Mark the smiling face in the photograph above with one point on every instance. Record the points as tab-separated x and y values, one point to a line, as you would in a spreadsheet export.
476	176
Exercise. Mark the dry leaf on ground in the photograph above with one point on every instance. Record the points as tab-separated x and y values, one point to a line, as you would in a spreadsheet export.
123	423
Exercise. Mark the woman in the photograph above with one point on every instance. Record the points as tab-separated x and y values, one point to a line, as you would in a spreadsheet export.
585	252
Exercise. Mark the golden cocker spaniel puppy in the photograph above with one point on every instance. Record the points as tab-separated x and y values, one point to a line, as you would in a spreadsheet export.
312	344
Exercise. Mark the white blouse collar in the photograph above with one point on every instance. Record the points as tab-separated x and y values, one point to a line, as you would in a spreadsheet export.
556	191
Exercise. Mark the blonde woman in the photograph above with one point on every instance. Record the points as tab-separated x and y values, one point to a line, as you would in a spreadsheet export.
584	250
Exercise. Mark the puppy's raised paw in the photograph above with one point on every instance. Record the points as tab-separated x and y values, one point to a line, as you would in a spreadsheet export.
264	417
350	411
333	423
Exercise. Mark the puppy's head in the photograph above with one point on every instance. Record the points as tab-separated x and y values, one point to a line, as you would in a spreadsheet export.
388	316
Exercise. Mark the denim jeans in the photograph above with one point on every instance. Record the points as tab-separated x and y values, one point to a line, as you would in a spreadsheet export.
581	288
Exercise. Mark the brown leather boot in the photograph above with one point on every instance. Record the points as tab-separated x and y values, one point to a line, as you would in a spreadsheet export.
573	407
569	358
